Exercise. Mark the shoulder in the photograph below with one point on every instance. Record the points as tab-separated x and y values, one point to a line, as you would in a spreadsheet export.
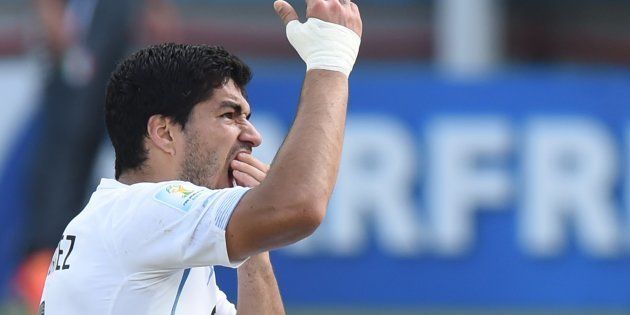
173	199
149	200
174	194
177	194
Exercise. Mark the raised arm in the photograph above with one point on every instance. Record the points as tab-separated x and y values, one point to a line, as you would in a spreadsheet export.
291	202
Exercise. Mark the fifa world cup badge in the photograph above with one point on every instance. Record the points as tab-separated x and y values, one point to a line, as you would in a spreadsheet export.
179	196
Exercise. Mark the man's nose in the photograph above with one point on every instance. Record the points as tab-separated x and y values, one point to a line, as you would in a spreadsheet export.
250	135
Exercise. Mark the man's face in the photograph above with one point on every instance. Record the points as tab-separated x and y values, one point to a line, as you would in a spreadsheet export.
217	130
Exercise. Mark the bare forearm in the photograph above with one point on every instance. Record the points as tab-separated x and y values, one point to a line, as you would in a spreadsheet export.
291	202
308	162
258	291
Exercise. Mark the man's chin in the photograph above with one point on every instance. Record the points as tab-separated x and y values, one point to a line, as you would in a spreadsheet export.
226	182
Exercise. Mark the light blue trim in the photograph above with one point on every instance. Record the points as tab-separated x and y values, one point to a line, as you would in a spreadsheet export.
179	290
227	206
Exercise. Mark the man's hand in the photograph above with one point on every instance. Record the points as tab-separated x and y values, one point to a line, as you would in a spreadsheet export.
248	171
331	36
341	12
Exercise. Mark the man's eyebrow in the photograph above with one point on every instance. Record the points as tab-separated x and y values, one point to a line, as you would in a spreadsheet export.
238	108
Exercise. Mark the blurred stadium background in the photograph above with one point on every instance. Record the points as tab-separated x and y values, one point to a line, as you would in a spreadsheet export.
486	167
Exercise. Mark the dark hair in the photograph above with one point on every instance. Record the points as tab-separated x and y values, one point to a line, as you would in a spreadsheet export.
168	80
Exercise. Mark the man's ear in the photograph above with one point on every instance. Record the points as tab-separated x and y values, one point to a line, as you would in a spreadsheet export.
161	133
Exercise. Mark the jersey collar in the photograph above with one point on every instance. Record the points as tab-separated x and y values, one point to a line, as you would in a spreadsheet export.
108	183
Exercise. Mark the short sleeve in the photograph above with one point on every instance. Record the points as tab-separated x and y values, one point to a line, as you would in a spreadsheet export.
173	225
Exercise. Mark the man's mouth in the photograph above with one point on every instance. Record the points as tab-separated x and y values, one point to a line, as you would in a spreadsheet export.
230	171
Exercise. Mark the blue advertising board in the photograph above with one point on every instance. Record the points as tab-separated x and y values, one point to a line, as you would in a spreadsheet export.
511	190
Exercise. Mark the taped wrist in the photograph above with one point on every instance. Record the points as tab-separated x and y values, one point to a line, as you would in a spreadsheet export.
324	45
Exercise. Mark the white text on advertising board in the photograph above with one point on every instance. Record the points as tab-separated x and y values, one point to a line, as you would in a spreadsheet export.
421	190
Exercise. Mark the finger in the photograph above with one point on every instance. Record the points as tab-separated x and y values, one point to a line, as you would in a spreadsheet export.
244	180
358	28
355	7
251	160
285	11
249	170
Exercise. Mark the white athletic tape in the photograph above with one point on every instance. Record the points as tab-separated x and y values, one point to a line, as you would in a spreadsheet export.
324	45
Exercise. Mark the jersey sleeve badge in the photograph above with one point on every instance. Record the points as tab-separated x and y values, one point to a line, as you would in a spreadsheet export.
180	196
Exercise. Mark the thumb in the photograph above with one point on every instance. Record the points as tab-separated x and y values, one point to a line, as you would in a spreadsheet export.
285	11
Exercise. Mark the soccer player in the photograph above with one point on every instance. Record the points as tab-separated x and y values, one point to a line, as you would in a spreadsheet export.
181	203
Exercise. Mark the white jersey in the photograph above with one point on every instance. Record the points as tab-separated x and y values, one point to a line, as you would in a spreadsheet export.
146	248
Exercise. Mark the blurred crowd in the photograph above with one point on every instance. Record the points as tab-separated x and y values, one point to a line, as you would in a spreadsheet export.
84	39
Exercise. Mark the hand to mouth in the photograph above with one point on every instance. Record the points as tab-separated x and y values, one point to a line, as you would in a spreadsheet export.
246	170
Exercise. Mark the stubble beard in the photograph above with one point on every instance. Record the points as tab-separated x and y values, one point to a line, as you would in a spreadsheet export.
200	166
